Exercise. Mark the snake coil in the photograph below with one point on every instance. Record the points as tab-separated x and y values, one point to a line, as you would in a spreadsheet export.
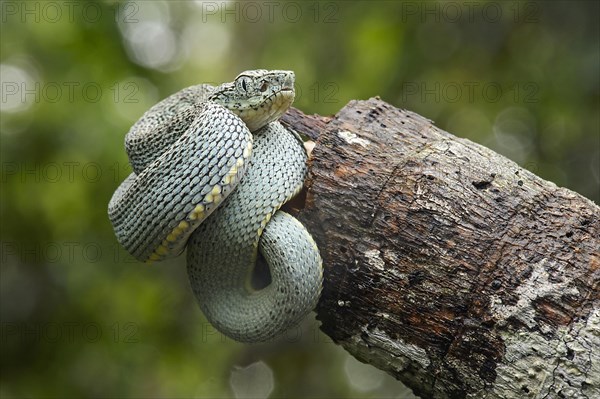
211	168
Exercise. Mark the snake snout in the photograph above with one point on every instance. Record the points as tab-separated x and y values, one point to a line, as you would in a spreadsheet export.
288	82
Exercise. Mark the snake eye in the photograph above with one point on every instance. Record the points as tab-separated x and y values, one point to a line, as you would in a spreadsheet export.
264	87
244	84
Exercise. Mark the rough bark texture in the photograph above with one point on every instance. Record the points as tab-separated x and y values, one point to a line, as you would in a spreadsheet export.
448	265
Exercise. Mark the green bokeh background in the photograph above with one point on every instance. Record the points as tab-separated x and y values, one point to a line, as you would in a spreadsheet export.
80	318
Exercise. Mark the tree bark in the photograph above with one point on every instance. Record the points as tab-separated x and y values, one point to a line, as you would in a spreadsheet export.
447	265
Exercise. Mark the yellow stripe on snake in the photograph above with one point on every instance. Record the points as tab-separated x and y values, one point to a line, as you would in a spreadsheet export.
211	168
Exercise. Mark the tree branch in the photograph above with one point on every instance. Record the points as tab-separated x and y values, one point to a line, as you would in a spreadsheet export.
446	264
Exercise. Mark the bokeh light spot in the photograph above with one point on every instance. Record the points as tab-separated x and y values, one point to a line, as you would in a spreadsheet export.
361	376
17	86
254	381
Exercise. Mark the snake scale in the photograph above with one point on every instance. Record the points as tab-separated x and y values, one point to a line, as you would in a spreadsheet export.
211	168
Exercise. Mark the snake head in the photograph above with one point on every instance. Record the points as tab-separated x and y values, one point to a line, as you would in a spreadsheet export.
258	96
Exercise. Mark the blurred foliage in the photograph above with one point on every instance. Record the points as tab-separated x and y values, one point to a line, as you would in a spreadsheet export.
80	318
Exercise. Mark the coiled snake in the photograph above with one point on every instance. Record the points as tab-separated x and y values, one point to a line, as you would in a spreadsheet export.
188	154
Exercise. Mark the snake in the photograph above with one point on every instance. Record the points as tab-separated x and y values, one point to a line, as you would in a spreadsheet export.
211	168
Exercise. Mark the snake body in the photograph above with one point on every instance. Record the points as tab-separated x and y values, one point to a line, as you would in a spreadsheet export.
211	168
